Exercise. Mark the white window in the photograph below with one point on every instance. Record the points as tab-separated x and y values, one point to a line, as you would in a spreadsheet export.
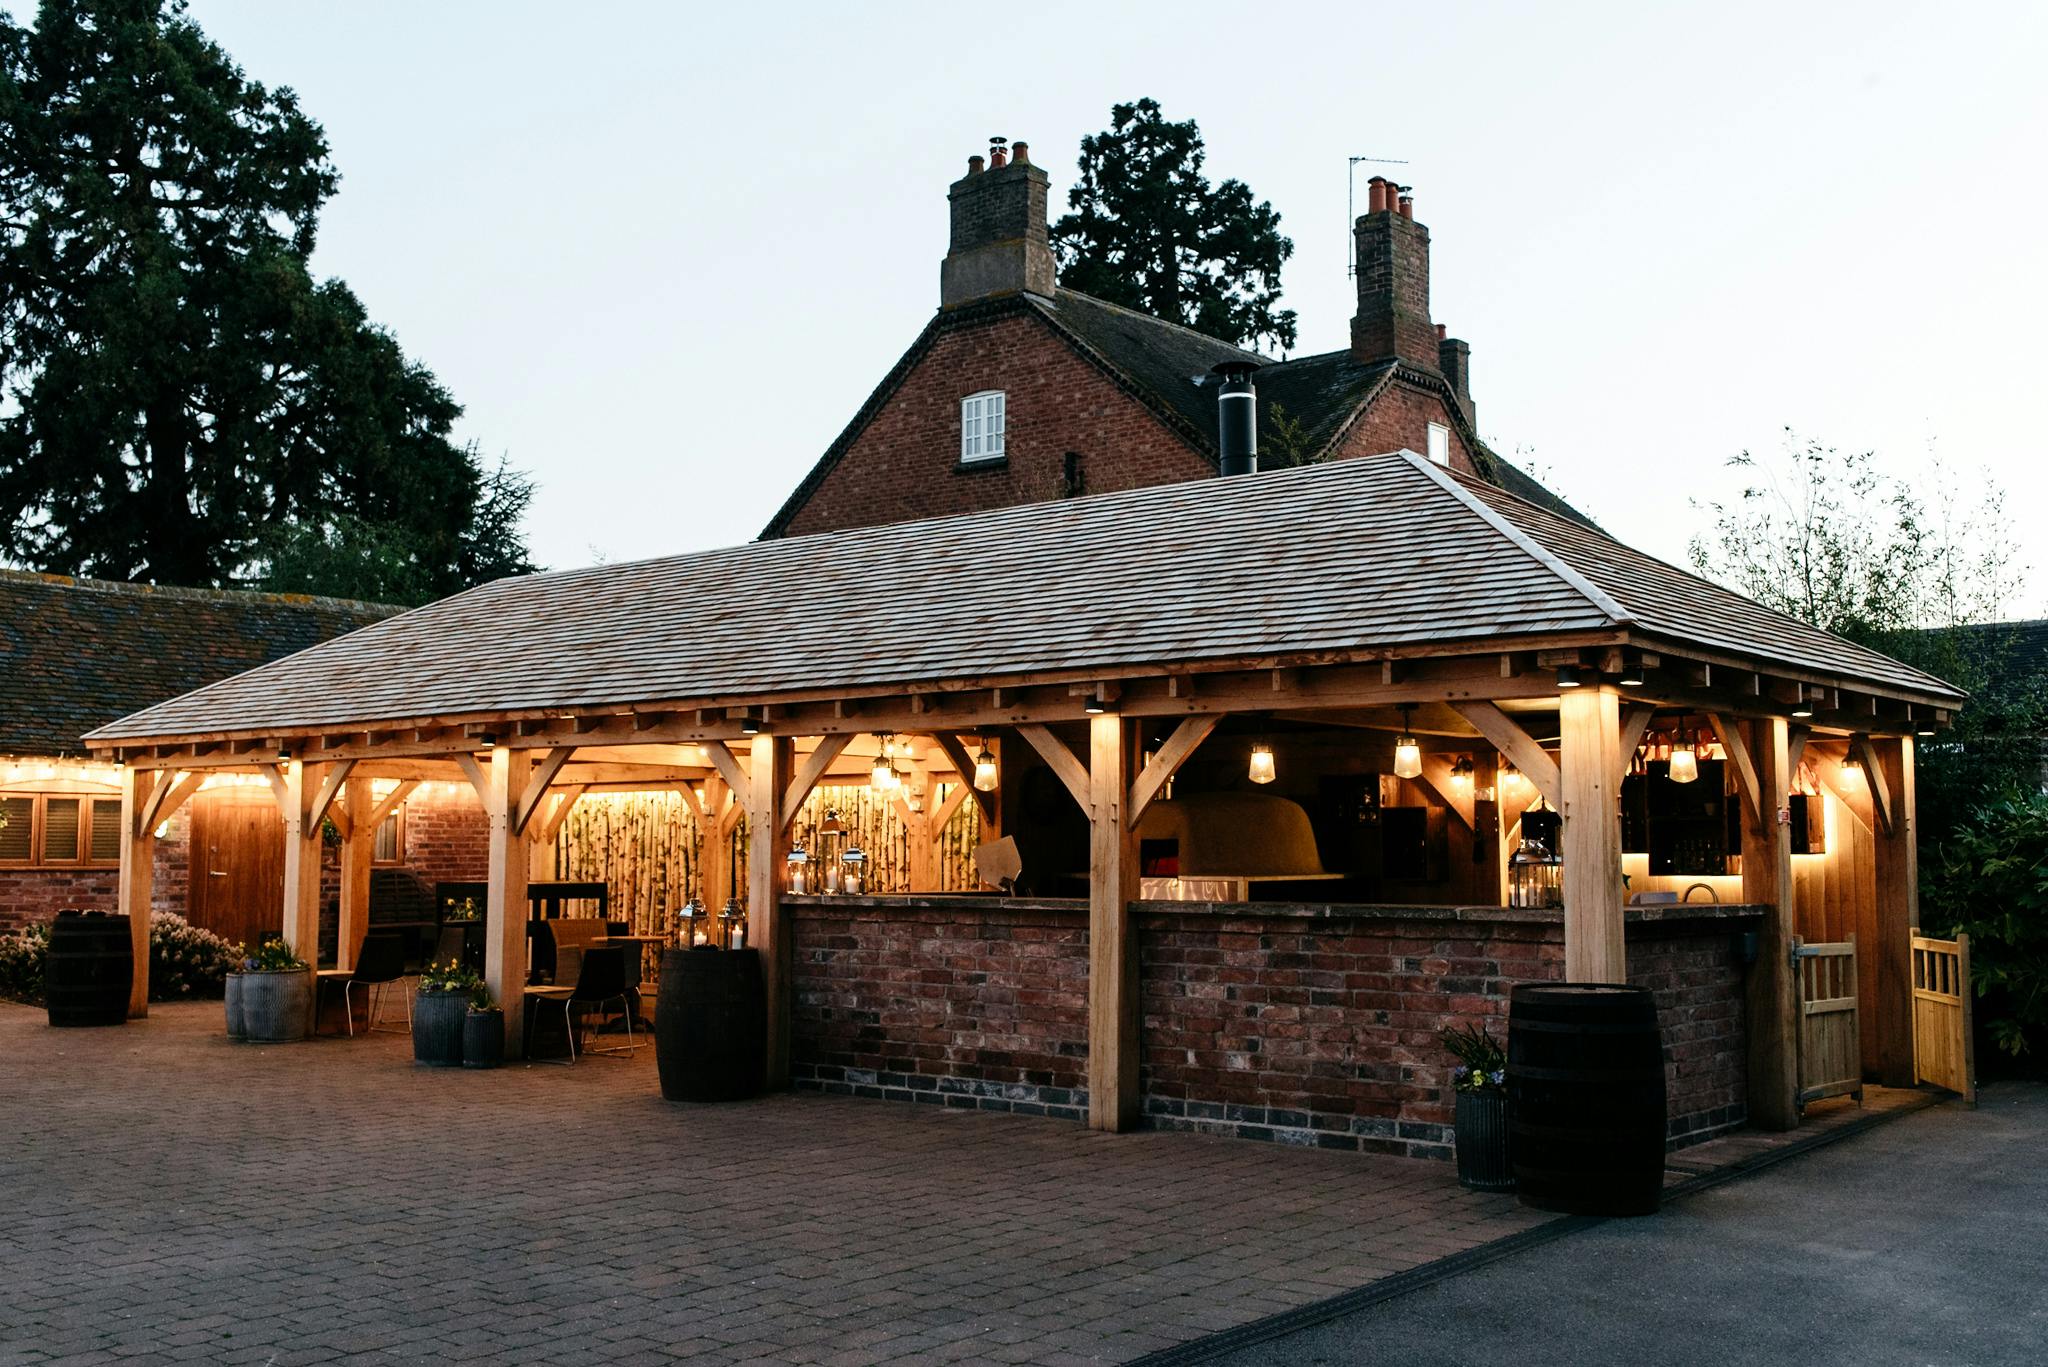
981	426
1440	443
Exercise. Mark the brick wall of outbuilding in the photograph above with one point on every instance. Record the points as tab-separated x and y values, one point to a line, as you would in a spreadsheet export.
906	463
1305	1029
961	1004
1400	417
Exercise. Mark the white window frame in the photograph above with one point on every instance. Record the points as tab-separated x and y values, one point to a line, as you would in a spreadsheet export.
1439	438
983	423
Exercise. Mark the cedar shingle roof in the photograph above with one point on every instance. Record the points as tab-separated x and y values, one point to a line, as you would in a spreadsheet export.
1352	555
79	653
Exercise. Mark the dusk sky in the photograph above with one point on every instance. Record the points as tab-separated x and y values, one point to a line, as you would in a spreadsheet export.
662	254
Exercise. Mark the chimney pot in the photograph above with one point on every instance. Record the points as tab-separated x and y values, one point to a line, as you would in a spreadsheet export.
1442	331
974	164
1407	206
1020	153
998	244
1393	322
996	155
1376	195
1237	419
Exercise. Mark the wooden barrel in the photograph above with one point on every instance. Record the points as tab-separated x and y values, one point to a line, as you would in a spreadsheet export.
710	1024
90	966
1586	1098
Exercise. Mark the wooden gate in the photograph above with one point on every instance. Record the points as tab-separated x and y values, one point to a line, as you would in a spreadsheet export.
237	864
1830	1047
1943	1050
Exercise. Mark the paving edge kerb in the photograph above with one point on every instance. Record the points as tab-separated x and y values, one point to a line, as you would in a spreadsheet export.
1416	1278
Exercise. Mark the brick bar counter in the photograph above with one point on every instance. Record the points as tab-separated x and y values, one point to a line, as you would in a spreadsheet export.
1299	1023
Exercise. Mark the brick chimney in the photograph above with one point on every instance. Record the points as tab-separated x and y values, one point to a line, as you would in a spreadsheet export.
999	243
1392	322
1454	359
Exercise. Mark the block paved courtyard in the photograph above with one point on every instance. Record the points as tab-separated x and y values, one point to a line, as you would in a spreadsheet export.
171	1196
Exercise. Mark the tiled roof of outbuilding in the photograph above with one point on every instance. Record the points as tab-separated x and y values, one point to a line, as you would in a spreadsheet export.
1352	555
78	653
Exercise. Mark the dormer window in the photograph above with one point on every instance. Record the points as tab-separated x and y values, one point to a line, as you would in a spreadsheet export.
981	426
1440	443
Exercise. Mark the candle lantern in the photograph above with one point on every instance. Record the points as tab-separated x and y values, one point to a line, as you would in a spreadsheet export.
853	878
732	926
797	864
1535	876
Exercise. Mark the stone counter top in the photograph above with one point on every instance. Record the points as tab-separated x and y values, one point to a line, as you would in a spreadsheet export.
1666	913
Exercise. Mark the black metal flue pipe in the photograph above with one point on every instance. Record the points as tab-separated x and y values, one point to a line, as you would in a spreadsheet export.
1237	419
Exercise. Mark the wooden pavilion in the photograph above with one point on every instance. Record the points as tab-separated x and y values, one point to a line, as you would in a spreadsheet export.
1377	595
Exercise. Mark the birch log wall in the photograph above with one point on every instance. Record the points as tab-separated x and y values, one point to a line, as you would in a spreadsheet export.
649	847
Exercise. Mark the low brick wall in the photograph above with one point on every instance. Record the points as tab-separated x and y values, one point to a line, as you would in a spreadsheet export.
955	1001
1294	1024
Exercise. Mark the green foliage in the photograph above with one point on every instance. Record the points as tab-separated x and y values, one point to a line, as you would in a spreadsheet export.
1285	443
22	956
1829	539
1991	880
272	956
1148	231
180	400
185	962
1482	1063
454	976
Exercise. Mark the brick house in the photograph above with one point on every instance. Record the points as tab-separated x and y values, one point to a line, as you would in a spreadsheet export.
1020	391
77	653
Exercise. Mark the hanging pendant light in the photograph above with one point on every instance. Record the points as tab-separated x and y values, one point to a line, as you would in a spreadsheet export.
882	775
985	770
1261	770
1685	760
1407	752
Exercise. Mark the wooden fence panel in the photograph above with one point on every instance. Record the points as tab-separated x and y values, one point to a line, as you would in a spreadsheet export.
1830	1043
1944	1050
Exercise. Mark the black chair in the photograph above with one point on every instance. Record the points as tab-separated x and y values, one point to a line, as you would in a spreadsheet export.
381	963
601	981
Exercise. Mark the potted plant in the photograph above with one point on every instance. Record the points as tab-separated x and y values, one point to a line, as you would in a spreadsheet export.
270	1000
1480	1084
483	1032
440	1012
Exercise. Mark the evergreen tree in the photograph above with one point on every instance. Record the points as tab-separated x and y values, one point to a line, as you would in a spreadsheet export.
180	400
1148	231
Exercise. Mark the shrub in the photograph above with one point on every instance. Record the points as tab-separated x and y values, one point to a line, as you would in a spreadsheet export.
1991	880
21	964
185	962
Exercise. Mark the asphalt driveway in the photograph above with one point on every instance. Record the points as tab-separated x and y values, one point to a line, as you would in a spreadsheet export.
1923	1241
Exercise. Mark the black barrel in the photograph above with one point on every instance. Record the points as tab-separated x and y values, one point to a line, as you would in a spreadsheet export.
1586	1097
91	964
710	1024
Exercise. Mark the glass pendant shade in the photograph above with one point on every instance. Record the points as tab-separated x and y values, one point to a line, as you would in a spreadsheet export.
1261	770
883	774
1407	757
985	771
1685	764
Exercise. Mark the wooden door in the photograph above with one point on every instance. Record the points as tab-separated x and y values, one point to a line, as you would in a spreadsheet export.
1943	1051
237	864
1830	1042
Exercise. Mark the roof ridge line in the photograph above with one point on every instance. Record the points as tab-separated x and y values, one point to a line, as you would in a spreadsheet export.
1592	592
1053	300
189	593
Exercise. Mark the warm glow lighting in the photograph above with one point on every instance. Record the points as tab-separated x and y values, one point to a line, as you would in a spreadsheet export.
750	726
1800	706
1262	764
1685	764
1461	773
1567	676
1407	757
883	775
1095	706
1631	672
985	771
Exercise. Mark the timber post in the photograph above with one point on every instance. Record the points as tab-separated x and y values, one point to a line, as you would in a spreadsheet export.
506	773
1589	773
300	923
1888	771
1112	943
767	930
1773	1023
358	850
138	876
